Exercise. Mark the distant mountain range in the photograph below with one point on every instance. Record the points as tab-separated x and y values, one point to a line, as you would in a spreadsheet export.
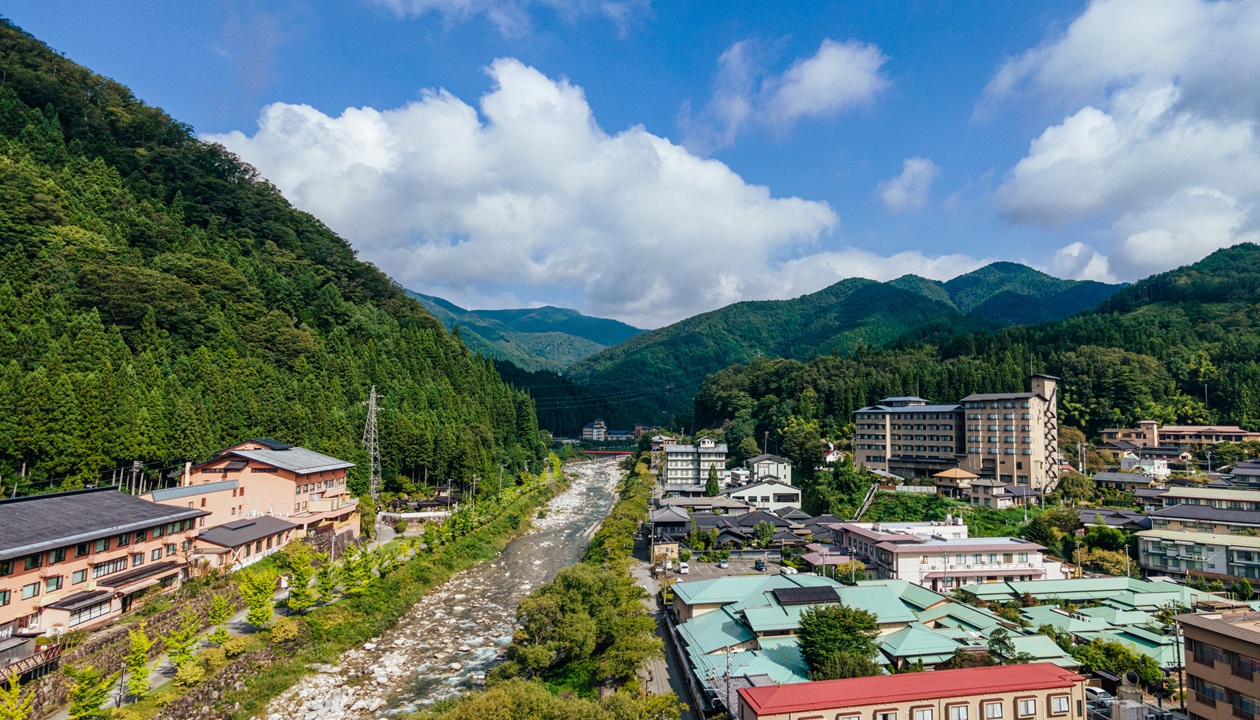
545	338
669	363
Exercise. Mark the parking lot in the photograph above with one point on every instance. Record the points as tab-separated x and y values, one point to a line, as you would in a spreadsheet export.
738	566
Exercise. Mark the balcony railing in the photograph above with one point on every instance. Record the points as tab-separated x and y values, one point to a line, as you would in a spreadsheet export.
1204	699
1241	672
1202	659
1244	714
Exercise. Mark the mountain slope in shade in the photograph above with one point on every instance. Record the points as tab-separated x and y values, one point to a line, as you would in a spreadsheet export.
533	339
670	362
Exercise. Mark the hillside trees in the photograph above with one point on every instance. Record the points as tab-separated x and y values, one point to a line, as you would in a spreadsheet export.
159	301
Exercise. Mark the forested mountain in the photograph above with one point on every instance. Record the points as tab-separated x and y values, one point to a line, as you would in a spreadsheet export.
1181	347
159	300
836	320
546	338
564	406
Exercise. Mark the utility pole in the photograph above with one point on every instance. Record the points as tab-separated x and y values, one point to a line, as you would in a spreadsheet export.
372	441
1209	457
765	443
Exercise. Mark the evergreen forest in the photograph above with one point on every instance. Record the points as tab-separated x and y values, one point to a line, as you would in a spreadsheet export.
159	300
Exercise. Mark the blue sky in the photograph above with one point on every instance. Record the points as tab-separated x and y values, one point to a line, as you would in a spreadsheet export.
648	161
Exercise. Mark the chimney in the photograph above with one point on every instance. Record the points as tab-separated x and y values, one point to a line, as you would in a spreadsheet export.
187	473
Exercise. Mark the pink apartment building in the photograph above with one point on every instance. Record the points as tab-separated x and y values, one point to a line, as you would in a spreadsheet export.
260	494
76	560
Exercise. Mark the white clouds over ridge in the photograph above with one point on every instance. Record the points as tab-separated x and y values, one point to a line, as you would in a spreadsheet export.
1161	139
531	192
512	17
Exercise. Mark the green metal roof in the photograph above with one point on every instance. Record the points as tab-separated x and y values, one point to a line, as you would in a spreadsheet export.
1062	621
1117	616
719	590
917	641
958	615
1044	650
714	631
781	662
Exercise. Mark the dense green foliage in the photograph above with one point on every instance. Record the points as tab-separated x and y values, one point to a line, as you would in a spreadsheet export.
836	639
522	699
564	406
1179	348
546	338
672	361
159	300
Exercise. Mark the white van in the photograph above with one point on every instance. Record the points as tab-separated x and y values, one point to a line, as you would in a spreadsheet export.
684	569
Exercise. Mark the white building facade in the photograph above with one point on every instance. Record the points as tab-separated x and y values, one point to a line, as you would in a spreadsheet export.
690	464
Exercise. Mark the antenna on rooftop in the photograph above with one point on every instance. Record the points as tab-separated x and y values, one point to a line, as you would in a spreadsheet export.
371	441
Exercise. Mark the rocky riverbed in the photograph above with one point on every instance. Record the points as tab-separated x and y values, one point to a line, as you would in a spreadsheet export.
448	642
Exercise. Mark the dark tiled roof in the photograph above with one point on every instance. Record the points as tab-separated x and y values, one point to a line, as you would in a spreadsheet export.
80	600
45	522
144	571
1207	512
239	532
1125	478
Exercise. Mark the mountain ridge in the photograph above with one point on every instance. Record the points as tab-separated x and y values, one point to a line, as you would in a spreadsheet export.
838	319
539	339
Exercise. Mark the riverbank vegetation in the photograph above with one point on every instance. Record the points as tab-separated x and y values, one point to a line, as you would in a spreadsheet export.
584	636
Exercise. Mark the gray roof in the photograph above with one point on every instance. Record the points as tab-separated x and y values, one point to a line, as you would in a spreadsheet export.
190	490
295	459
1207	512
81	600
670	515
911	408
239	532
45	522
1000	396
904	398
768	456
1125	478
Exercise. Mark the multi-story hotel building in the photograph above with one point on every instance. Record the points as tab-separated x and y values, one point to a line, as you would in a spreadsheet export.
1181	553
1014	437
1010	437
1222	665
690	464
908	436
1037	691
75	560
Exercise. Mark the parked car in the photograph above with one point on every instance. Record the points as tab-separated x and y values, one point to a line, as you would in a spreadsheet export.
1098	697
723	564
669	564
684	568
788	570
759	566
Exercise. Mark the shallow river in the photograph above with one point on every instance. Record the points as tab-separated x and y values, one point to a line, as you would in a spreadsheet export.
452	637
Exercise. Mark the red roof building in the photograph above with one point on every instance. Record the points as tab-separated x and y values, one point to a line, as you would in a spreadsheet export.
1037	691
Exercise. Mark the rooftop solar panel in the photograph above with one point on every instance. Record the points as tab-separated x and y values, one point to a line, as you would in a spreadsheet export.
806	595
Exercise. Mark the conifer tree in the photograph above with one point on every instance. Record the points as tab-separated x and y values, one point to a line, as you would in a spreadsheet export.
15	704
88	692
258	588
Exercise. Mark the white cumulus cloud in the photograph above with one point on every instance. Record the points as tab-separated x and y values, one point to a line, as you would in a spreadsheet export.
525	196
840	76
908	192
1160	137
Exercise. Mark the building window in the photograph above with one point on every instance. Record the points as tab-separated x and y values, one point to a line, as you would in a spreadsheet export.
137	559
1027	707
891	715
992	557
1059	704
142	535
6	567
923	714
101	545
81	616
33	561
156	554
959	712
53	584
106	568
56	556
1023	557
30	591
170	550
203	502
4	598
124	540
992	710
79	576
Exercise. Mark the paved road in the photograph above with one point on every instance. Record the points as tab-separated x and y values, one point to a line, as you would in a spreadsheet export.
666	674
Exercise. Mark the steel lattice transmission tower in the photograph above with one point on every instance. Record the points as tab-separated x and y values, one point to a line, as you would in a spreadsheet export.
372	442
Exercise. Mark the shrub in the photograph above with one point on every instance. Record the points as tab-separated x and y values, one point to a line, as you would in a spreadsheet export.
284	630
235	647
400	527
189	674
214	658
684	555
